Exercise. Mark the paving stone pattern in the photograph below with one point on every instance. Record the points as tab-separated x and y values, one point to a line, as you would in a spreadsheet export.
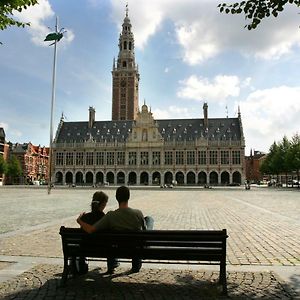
263	228
43	282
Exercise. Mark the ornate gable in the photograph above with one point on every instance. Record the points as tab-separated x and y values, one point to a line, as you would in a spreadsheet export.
145	130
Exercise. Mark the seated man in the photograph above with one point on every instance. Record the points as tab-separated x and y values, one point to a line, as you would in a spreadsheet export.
122	219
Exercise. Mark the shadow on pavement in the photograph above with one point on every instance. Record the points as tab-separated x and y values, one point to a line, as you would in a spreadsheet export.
43	282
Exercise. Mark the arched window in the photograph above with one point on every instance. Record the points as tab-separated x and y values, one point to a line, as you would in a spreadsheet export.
125	45
130	45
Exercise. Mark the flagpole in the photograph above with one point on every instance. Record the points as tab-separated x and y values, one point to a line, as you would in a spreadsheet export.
52	110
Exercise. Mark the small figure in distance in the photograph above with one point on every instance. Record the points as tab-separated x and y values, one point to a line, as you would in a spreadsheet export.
122	219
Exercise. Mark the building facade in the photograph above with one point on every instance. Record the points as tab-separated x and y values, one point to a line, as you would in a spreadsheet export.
136	148
253	163
34	162
4	148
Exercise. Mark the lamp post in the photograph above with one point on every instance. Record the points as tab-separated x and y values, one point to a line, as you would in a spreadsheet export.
55	37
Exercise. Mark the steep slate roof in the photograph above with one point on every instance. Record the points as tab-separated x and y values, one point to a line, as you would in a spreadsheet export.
178	129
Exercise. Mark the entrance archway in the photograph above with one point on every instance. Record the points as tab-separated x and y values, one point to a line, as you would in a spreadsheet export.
120	178
144	178
191	178
236	177
132	178
99	178
79	178
213	178
110	177
179	178
89	177
59	178
156	178
225	178
168	178
202	178
69	178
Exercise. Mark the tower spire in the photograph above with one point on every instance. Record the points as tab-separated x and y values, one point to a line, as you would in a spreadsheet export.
125	76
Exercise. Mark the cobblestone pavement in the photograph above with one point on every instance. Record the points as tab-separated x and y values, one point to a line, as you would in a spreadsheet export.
43	282
263	227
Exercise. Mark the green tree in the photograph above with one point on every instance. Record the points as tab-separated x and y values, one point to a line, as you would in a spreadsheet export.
293	155
3	165
257	10
14	168
7	8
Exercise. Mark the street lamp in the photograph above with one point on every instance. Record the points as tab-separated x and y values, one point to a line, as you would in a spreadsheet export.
55	37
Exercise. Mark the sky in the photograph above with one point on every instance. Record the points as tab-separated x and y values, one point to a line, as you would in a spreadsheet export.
188	53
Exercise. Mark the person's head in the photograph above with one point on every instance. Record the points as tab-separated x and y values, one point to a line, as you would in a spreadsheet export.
122	194
99	201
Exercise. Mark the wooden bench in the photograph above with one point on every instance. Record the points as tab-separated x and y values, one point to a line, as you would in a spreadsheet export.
201	246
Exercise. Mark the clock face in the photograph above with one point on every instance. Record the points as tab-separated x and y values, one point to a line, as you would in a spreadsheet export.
123	83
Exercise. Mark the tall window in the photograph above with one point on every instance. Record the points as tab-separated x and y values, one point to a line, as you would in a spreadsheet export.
100	158
69	158
202	157
168	158
144	158
89	158
213	157
79	158
236	157
190	157
110	158
121	158
156	158
59	158
224	157
179	157
132	158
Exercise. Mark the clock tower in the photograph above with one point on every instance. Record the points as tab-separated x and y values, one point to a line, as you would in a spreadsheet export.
125	77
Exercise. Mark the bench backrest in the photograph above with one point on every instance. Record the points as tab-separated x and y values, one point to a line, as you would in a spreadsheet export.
153	244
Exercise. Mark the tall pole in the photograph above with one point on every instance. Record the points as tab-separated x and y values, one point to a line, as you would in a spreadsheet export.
52	110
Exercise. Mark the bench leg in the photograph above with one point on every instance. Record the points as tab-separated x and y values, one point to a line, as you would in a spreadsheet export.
222	278
65	272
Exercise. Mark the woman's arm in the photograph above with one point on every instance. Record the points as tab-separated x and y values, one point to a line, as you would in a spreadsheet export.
85	226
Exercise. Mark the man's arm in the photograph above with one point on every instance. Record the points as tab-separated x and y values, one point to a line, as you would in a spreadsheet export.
85	226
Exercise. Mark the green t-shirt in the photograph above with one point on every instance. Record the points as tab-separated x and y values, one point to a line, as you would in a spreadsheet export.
122	219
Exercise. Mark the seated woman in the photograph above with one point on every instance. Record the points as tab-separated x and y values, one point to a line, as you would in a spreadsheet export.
98	204
79	265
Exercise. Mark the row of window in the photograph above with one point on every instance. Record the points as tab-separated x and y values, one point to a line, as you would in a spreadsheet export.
155	158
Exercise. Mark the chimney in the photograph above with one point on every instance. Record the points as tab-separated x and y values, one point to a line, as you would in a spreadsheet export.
205	107
92	113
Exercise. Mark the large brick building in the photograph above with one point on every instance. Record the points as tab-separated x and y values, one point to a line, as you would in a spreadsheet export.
136	148
33	160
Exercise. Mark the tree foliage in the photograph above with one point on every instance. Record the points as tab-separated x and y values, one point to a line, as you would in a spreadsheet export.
7	9
256	10
14	168
3	165
283	157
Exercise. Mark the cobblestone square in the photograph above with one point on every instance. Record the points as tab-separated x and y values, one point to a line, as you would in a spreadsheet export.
262	224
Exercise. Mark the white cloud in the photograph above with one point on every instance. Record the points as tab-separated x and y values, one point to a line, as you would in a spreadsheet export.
36	16
270	114
199	88
203	32
171	112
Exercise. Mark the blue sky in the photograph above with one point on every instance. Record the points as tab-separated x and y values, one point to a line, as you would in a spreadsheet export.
187	53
